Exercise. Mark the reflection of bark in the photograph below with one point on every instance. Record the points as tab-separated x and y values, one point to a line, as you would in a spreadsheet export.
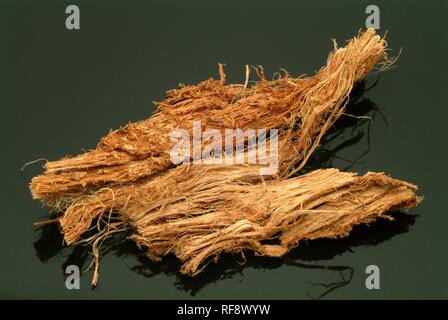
50	242
329	287
356	124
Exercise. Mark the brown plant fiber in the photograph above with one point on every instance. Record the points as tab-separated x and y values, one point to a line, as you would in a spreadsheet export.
199	211
232	217
141	149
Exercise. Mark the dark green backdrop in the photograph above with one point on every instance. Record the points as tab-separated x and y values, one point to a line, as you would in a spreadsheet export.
62	90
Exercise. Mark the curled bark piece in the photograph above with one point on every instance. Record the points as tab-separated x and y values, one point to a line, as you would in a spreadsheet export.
142	149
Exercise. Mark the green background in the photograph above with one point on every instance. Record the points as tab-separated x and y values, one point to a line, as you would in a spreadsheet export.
62	90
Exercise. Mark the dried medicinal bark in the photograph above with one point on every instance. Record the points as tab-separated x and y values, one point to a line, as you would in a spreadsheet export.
269	218
199	211
141	149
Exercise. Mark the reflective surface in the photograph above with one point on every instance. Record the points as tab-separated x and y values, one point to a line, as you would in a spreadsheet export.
63	90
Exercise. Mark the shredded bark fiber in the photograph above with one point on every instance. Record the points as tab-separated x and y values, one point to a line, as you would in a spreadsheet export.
141	149
198	211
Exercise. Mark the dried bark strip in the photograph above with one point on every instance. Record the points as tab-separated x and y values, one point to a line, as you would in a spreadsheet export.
142	149
197	213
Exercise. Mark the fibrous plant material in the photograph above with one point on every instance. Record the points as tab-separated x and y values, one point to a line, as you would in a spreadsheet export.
198	211
269	218
142	149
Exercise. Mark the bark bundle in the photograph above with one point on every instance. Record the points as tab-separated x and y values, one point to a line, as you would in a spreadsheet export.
199	211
